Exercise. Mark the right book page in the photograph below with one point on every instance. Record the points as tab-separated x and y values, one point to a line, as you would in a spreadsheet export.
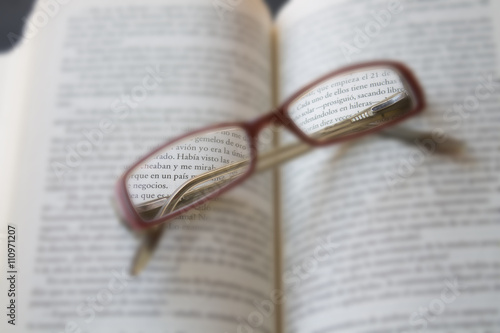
382	236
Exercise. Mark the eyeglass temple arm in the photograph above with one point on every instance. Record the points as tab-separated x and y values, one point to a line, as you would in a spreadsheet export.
187	192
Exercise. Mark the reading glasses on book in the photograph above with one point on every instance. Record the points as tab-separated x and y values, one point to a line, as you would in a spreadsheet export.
194	168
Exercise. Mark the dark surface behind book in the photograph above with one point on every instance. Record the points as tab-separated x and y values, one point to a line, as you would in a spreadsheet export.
13	13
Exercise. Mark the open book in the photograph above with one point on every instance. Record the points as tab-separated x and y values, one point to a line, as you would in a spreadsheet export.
368	236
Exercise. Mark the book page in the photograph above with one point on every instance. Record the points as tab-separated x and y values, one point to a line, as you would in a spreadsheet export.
109	81
382	236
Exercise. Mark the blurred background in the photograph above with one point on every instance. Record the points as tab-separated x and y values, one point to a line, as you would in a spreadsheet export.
408	226
13	12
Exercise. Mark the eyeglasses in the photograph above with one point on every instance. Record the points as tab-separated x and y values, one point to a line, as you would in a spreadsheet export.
188	171
192	169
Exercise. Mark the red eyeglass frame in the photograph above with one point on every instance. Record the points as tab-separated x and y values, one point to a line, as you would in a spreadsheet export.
252	128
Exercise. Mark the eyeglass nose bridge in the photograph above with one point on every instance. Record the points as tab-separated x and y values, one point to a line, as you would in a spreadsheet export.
277	117
274	120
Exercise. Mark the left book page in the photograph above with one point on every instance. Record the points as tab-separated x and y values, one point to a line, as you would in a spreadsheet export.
108	81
